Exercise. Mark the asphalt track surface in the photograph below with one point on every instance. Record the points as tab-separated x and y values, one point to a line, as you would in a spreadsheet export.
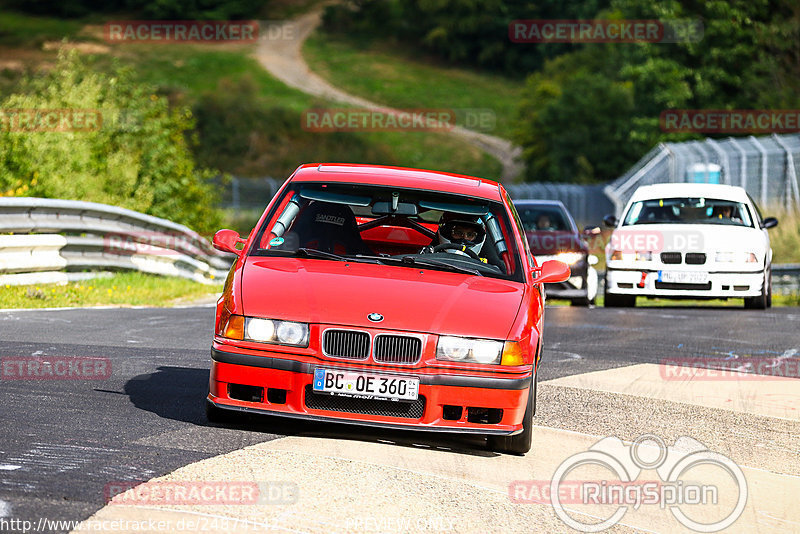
63	441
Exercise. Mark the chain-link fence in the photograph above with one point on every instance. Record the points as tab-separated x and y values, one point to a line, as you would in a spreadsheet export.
767	167
588	204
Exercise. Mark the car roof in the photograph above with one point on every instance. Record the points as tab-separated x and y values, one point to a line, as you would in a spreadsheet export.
399	177
537	202
673	190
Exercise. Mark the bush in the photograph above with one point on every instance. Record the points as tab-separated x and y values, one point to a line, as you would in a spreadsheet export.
137	159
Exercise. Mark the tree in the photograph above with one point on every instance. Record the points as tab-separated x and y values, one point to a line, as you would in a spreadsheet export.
137	157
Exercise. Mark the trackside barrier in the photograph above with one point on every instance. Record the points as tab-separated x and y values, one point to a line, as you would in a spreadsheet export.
52	241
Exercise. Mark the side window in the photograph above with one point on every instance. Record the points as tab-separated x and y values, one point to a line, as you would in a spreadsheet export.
757	215
521	230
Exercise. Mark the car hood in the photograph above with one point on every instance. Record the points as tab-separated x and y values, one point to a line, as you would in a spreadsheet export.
412	299
689	238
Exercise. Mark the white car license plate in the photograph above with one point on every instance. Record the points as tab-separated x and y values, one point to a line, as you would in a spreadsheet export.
683	277
365	385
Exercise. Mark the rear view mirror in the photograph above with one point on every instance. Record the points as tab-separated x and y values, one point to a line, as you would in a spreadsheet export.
552	271
610	221
769	222
227	240
385	208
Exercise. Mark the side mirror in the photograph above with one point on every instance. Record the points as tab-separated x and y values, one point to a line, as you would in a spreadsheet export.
610	221
769	222
552	271
227	240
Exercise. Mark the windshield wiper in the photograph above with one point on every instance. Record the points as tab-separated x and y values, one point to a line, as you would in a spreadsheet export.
321	254
412	260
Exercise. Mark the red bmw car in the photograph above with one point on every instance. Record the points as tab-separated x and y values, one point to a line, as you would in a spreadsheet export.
388	297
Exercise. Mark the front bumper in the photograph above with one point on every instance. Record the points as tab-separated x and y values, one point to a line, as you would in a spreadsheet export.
504	397
721	284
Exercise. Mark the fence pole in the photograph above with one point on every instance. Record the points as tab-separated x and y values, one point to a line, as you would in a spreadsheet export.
764	156
742	163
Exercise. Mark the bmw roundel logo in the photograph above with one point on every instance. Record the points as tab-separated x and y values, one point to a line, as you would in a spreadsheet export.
375	317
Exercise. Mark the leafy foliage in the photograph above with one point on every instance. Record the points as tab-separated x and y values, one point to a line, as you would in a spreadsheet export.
138	158
150	9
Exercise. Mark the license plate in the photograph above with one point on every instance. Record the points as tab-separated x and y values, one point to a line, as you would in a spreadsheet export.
365	385
683	277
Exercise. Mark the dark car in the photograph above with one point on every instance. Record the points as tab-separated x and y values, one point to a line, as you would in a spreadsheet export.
552	234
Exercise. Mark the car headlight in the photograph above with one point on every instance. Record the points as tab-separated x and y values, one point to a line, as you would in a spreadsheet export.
616	255
461	349
274	331
736	257
570	258
644	255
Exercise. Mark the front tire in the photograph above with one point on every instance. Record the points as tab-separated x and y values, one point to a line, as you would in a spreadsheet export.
519	443
764	300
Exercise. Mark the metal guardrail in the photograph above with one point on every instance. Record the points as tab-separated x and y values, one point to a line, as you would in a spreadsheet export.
46	240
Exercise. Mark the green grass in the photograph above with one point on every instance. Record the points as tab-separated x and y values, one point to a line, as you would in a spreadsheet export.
190	70
390	76
17	29
785	238
121	289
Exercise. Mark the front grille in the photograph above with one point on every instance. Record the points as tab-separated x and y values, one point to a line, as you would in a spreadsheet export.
686	287
350	344
383	408
695	258
397	349
670	257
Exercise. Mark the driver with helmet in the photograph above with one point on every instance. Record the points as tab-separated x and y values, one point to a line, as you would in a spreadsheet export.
463	232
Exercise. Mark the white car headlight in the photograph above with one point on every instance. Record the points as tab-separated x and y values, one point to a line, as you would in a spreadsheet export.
292	333
274	331
570	258
644	255
735	257
460	349
260	329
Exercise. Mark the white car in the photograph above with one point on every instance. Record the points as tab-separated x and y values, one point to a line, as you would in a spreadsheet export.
695	241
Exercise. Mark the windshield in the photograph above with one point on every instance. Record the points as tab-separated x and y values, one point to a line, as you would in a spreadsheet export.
391	226
688	211
543	218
